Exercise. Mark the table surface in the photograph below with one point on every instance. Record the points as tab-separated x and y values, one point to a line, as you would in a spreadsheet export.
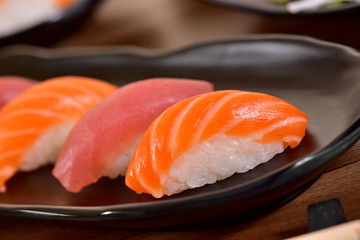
173	24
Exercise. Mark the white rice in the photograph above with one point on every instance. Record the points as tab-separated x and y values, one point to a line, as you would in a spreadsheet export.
120	165
47	148
218	158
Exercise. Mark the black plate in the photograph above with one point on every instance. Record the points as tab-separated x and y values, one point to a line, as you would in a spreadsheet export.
50	31
322	79
266	6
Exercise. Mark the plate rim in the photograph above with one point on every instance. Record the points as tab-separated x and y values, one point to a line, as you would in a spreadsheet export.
81	51
335	147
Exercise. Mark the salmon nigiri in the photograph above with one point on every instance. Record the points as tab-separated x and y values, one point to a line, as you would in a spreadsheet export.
210	137
103	141
11	86
34	125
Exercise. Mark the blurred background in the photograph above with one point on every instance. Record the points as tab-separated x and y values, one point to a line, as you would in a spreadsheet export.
169	24
177	23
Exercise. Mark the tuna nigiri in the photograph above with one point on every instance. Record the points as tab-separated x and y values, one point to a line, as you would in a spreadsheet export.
103	141
11	86
210	137
34	125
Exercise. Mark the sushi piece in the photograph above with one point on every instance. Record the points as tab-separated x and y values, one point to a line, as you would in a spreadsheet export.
34	125
11	86
103	141
210	137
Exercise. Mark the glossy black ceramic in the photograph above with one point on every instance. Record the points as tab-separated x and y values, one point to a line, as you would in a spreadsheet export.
268	7
50	31
320	78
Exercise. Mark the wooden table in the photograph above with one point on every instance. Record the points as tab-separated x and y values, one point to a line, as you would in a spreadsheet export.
172	24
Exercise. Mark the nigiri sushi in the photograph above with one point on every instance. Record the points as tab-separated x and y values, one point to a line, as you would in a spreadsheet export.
210	137
103	141
11	86
34	125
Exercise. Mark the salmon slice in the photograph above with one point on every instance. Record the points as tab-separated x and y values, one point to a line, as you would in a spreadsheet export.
63	3
210	137
34	125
